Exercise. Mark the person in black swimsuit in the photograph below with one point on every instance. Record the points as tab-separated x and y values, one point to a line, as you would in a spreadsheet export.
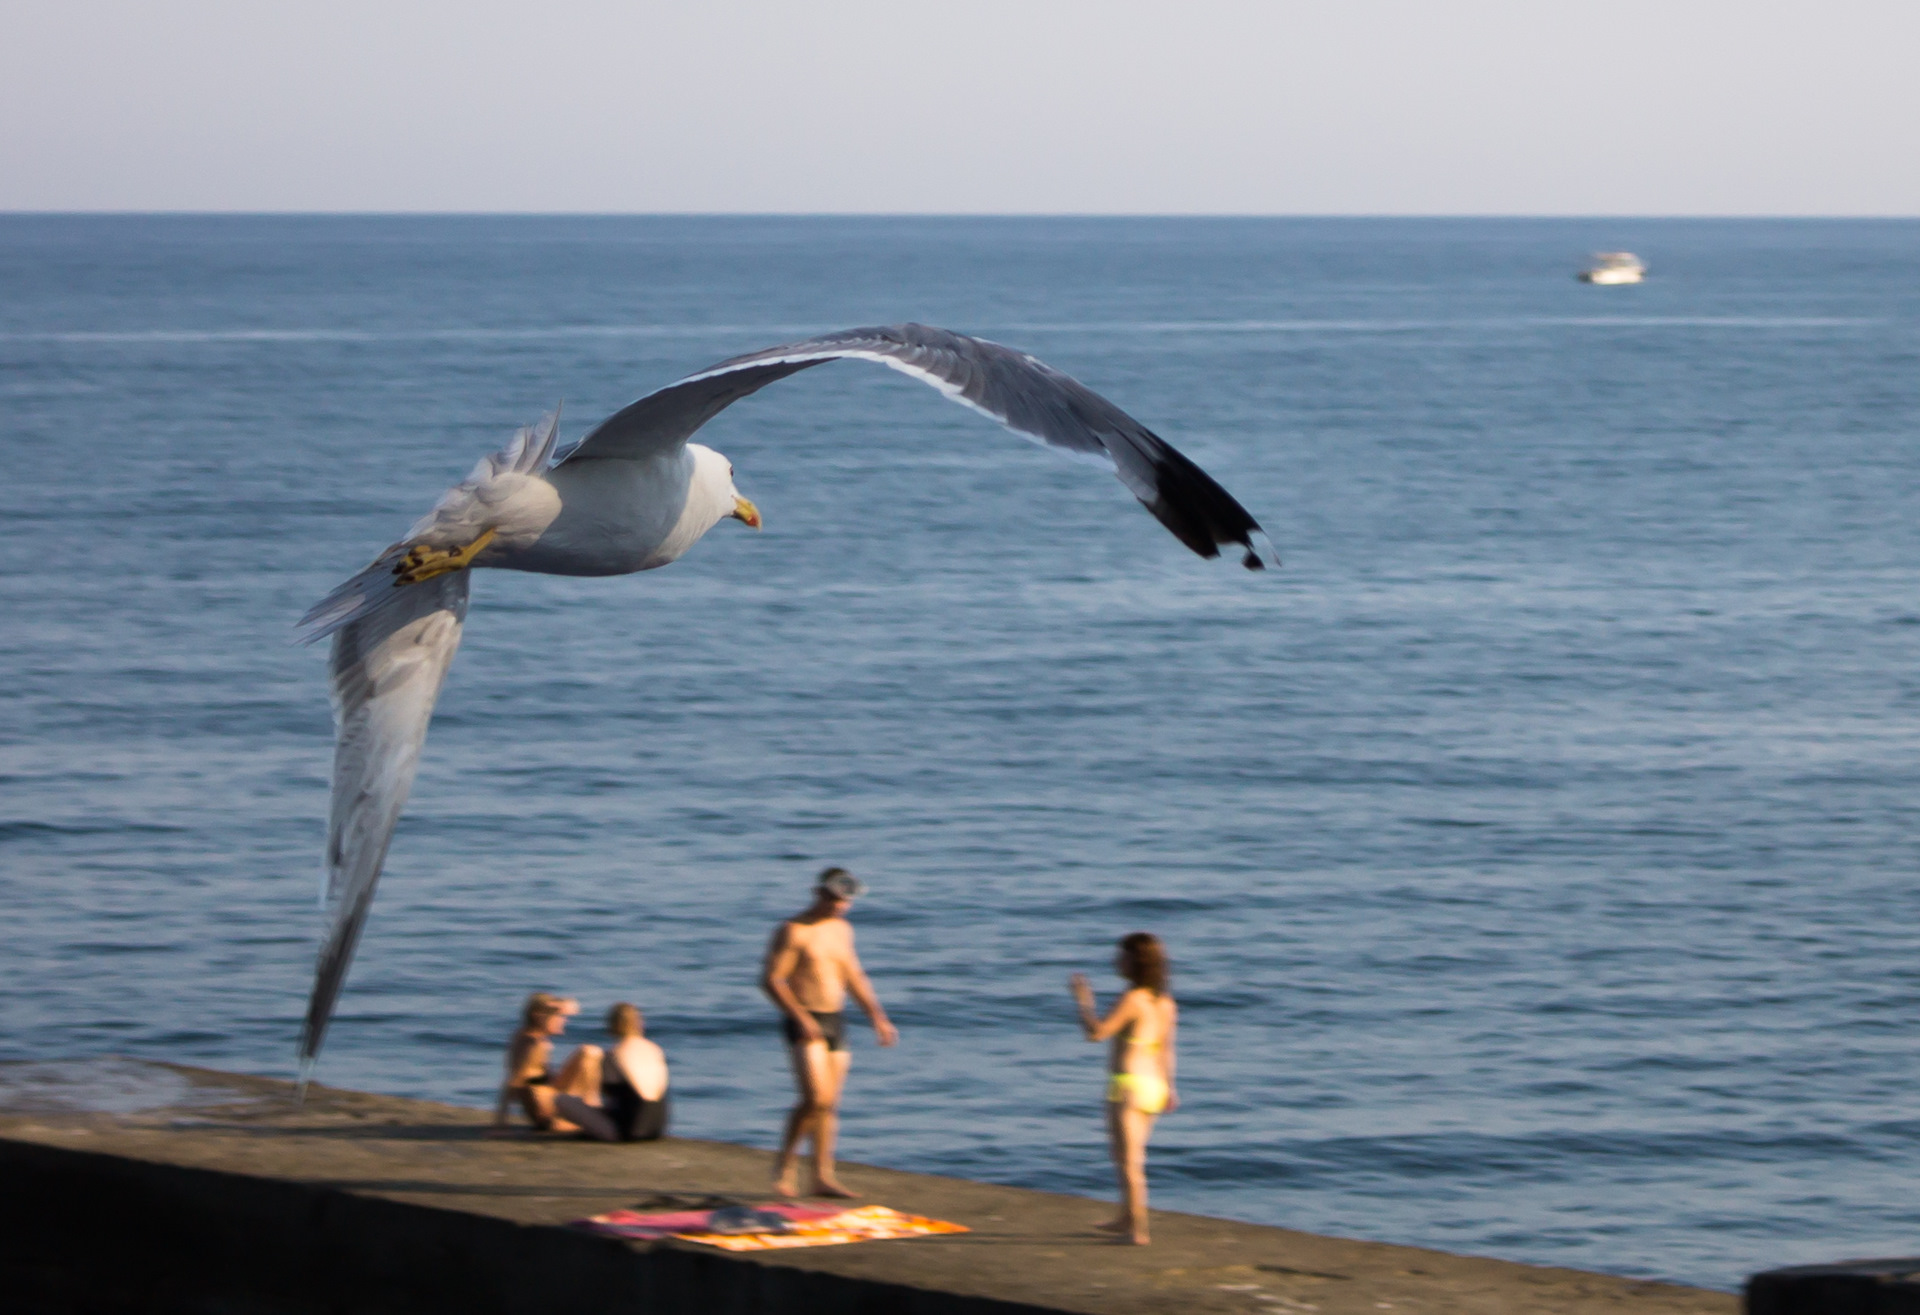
810	970
530	1080
626	1084
633	1116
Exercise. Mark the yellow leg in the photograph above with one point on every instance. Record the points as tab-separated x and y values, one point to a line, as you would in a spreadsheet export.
423	562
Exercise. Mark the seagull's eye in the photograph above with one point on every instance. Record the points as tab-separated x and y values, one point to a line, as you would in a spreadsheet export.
729	470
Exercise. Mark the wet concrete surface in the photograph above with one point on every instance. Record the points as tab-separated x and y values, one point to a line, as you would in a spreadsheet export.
399	1200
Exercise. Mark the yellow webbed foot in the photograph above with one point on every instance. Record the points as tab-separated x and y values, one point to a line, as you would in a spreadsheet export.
423	562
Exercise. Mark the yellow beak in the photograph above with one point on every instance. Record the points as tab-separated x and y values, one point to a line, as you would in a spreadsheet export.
746	511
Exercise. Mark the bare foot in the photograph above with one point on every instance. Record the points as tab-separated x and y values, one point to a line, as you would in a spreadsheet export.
831	1187
785	1186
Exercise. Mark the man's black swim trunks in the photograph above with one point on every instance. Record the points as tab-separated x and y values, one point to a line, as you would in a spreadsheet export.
833	1029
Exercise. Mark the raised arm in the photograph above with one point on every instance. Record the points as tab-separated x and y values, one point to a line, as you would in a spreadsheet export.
1097	1028
775	979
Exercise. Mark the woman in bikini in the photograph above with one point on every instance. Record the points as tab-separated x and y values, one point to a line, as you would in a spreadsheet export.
621	1092
530	1079
1139	1070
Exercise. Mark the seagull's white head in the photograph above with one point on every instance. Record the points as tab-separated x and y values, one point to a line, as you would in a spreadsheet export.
713	486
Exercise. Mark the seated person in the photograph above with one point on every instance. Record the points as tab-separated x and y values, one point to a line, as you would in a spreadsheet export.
530	1078
620	1094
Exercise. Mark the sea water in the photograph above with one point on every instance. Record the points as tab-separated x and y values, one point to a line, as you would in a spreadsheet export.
1536	849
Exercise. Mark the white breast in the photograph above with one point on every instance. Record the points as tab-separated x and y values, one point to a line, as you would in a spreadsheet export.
616	517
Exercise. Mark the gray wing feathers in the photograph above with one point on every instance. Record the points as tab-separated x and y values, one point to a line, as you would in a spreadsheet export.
354	599
386	670
663	420
1026	395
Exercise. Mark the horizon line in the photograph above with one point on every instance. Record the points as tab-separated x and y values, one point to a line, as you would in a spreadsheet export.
1512	216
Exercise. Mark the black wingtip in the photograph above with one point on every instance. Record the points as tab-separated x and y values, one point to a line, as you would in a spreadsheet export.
1191	503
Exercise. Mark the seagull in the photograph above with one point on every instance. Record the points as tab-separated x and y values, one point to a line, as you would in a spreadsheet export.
634	495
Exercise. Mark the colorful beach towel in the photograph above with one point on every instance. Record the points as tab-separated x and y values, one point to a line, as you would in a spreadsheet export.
769	1227
725	1218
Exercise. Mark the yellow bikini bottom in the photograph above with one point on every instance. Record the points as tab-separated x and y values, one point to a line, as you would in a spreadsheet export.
1143	1091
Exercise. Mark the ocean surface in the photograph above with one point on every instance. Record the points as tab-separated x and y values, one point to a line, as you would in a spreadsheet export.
1536	850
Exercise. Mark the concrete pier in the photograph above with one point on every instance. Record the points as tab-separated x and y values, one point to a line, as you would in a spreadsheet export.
215	1192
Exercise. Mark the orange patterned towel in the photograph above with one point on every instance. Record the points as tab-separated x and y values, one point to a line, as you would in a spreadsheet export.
731	1218
792	1226
868	1223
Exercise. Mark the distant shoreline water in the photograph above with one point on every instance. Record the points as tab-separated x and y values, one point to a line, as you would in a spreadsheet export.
1536	849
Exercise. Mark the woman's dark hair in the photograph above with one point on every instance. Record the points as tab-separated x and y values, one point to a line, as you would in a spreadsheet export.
1143	961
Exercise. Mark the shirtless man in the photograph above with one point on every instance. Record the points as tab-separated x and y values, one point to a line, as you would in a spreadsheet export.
810	970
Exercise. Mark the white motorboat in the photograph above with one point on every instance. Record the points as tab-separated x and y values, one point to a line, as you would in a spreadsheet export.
1614	267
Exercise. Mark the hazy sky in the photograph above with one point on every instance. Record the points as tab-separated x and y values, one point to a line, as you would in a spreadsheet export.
1181	106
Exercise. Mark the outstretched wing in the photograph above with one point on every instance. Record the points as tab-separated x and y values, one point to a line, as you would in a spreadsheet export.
387	668
1027	396
392	644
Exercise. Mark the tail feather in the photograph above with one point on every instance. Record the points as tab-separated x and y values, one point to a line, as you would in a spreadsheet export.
528	452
